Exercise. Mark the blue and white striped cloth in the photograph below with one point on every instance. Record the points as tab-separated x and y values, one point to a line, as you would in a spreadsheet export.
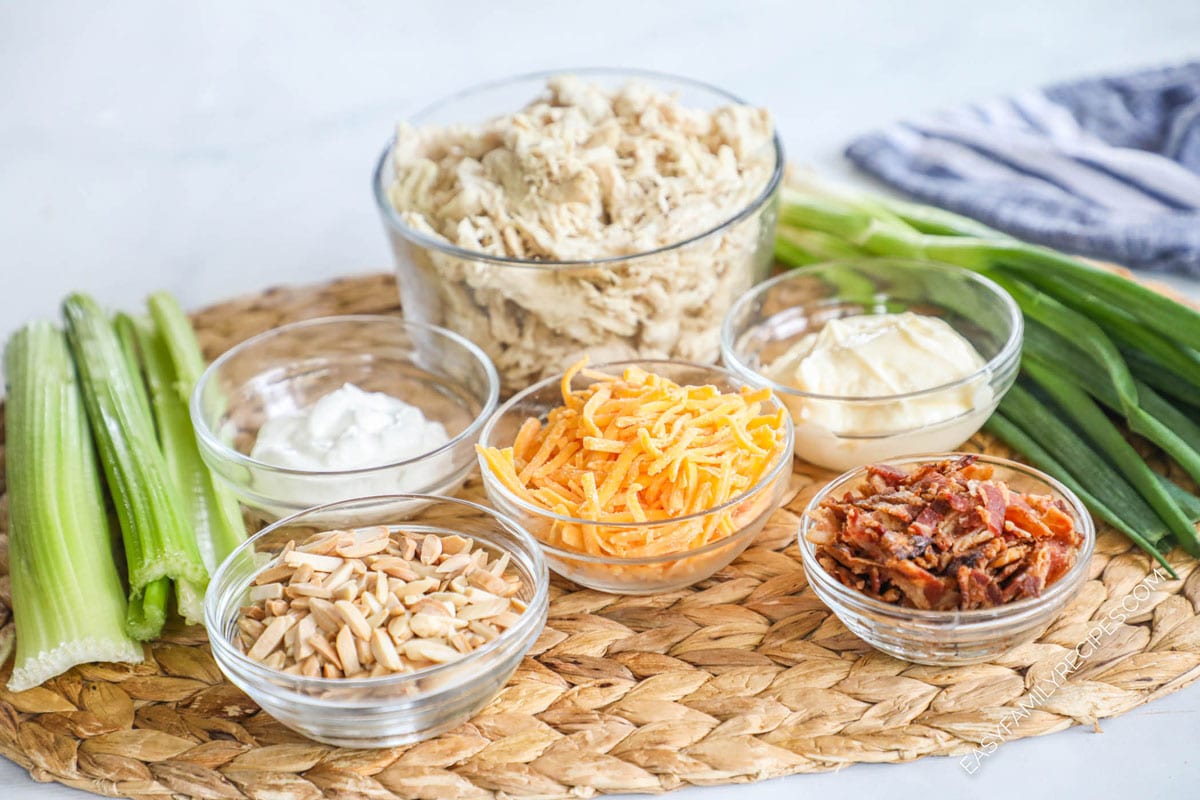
1107	167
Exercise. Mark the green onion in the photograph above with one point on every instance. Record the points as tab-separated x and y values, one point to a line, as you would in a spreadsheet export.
1081	462
67	597
1105	435
158	540
173	364
1153	417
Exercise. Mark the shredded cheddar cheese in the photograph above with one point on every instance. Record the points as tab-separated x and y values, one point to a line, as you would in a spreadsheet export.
640	448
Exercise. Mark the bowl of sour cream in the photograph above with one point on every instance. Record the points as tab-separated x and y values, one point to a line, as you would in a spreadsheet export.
332	409
878	358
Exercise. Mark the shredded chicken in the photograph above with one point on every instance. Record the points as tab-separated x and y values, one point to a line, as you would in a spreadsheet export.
586	173
945	536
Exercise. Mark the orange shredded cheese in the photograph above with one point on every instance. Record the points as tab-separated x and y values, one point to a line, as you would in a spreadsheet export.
638	448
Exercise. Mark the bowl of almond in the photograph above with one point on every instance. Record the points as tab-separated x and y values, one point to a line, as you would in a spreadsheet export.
384	632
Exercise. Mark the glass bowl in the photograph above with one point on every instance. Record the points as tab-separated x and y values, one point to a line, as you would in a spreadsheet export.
649	574
290	368
391	710
960	636
536	317
770	318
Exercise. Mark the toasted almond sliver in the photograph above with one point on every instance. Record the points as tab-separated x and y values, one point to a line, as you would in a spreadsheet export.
501	564
339	575
505	620
353	618
414	589
308	590
454	564
253	612
398	628
347	591
429	650
366	543
346	651
384	650
455	544
365	656
394	566
311	667
330	671
270	638
305	629
319	562
482	609
321	543
266	591
276	608
431	548
321	645
303	574
251	627
279	572
325	615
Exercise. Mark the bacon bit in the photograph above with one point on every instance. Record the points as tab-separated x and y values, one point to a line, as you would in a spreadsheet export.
636	448
962	540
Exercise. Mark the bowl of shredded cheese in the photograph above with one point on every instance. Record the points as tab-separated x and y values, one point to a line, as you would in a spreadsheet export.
639	476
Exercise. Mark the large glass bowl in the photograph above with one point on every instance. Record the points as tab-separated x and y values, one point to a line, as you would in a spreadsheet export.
950	637
648	574
769	319
390	710
535	317
290	368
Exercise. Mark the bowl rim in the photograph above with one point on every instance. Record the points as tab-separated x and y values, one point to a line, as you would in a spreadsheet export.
1008	612
209	438
774	473
1009	352
394	221
536	565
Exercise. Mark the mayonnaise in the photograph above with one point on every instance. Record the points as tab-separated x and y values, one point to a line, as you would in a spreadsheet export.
350	429
879	356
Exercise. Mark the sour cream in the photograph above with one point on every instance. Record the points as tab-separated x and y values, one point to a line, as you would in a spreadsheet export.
880	356
350	429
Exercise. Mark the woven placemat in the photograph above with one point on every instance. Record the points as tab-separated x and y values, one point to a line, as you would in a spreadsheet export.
742	677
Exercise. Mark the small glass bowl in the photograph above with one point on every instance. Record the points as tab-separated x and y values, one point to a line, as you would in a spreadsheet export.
391	710
534	317
290	368
950	637
769	319
648	574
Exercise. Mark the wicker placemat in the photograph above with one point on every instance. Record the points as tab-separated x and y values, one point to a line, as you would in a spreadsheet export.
745	676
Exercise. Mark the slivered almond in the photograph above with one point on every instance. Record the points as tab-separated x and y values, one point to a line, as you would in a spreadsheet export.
353	618
266	591
346	651
455	563
273	574
431	548
325	615
355	603
322	646
395	567
308	590
303	574
384	650
270	638
319	562
365	544
429	650
339	575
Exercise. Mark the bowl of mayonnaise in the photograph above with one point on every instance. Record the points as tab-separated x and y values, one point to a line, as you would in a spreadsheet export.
879	358
332	409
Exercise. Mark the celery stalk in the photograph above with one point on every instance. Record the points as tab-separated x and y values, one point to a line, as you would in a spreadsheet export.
214	513
67	596
159	543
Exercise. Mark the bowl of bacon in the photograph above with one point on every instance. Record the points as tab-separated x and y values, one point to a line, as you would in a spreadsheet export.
642	476
946	559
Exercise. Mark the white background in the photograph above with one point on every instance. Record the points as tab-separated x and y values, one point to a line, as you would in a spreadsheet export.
219	148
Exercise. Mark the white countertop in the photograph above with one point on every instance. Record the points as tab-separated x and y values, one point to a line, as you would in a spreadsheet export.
223	147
